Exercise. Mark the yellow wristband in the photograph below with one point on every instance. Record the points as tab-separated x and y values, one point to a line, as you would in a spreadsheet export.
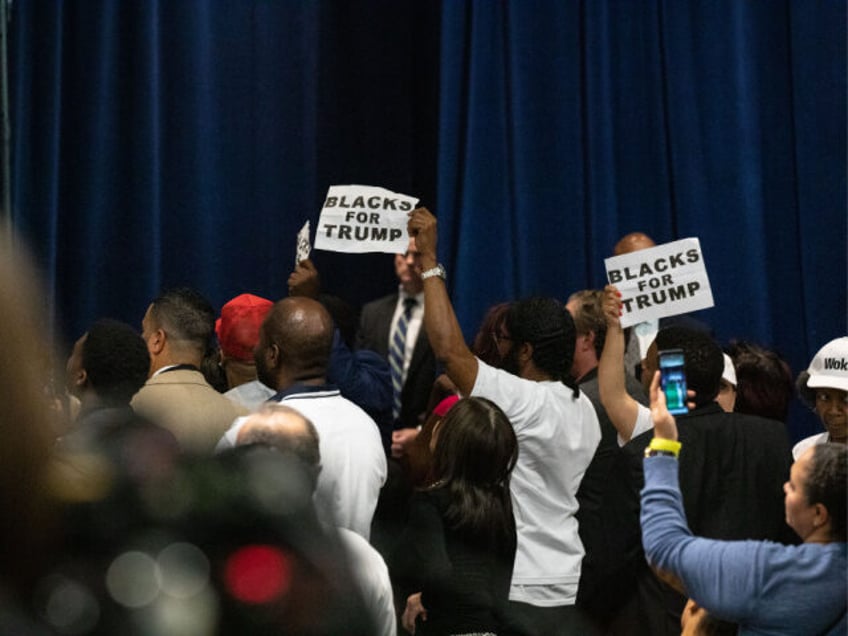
667	445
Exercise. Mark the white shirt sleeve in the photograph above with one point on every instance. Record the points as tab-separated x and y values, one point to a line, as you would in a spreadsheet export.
228	440
643	423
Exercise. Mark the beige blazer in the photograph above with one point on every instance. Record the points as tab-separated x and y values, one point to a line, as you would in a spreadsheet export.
184	403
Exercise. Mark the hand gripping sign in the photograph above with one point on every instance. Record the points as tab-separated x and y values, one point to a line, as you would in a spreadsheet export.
361	219
302	247
665	280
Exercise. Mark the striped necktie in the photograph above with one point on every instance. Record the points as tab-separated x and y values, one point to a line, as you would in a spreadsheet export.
397	348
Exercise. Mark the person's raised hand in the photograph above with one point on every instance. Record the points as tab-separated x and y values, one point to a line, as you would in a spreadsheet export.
611	304
422	227
665	426
401	439
304	280
413	610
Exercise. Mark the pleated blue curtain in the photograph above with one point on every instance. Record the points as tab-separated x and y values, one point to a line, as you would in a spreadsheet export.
567	125
161	143
158	143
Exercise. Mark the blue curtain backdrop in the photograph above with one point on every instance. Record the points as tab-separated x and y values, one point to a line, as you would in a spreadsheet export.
162	142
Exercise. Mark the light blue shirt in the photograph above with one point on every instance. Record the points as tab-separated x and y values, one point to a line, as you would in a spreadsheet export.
765	587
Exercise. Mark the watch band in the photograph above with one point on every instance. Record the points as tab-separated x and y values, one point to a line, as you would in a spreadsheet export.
438	270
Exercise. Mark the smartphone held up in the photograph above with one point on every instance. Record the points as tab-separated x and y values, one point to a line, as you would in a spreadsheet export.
673	380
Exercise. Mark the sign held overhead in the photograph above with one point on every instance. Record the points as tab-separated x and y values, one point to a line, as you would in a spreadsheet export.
360	219
665	280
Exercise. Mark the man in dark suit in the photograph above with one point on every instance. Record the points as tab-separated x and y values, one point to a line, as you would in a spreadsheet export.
732	466
392	327
607	578
379	324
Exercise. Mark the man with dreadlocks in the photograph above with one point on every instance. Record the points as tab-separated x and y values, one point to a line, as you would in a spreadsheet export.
557	431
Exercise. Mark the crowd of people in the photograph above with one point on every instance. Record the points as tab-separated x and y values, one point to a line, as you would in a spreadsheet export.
301	467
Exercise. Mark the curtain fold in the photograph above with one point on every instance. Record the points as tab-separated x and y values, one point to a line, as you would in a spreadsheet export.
161	143
566	125
167	143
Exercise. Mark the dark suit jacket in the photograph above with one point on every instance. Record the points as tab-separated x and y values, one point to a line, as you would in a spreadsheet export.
375	321
608	572
732	470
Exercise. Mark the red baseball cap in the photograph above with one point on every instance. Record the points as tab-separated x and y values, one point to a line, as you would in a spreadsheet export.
238	326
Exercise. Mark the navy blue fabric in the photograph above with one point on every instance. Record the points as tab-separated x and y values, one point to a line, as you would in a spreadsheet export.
160	143
566	125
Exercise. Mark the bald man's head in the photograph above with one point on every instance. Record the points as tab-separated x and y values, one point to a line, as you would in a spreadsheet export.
285	430
295	341
633	242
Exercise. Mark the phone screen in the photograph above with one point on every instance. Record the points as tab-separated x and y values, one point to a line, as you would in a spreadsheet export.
673	380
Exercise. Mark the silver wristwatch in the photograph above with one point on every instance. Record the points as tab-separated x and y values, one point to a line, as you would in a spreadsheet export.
438	270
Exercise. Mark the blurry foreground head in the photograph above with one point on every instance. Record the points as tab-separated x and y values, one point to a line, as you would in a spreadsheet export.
289	433
208	546
25	420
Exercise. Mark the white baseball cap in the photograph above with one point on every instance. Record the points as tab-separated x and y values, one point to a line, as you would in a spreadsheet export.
729	373
829	368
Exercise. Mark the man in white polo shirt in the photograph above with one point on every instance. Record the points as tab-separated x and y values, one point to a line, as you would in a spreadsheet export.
292	356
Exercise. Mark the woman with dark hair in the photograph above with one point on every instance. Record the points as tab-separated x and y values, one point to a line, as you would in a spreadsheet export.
455	557
763	381
418	461
765	587
488	336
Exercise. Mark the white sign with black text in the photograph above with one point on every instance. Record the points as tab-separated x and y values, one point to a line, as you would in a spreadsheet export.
665	280
302	247
360	219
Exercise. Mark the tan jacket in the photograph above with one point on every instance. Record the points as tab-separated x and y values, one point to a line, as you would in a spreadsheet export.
184	403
